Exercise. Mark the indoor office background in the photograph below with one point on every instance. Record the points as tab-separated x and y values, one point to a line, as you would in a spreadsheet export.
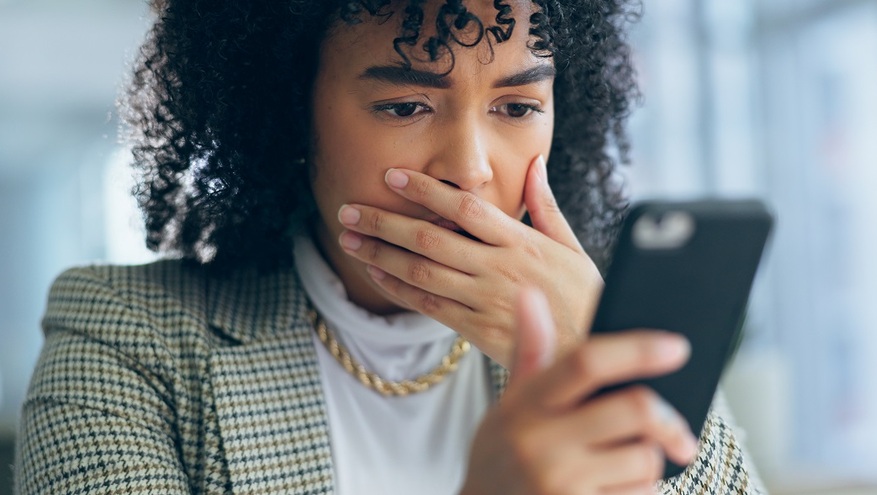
775	99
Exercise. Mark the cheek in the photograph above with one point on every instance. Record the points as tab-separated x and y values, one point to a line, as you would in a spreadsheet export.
350	159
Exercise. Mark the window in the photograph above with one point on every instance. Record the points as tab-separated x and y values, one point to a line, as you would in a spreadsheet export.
123	225
776	100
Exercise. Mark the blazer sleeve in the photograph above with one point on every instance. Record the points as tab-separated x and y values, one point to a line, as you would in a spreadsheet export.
722	465
99	413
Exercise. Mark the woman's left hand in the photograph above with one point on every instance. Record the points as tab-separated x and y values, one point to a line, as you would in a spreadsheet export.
472	286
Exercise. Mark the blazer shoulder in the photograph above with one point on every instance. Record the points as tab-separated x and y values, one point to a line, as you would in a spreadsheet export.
176	301
105	302
124	278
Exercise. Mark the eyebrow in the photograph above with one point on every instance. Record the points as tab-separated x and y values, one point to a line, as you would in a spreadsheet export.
532	75
395	74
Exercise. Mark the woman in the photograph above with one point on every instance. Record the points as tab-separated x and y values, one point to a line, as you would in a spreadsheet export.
343	185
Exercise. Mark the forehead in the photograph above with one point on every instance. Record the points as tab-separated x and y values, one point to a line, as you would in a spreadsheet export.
371	41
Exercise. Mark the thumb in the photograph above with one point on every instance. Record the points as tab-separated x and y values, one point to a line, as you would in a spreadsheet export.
542	207
536	343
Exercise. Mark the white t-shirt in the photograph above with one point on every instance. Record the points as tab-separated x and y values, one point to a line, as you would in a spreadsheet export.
393	445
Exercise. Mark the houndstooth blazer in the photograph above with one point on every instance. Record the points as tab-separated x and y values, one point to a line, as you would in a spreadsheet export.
156	379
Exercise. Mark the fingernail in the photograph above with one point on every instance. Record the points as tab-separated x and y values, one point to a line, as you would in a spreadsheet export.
668	416
542	311
375	272
691	446
396	178
674	347
348	215
542	169
351	241
666	413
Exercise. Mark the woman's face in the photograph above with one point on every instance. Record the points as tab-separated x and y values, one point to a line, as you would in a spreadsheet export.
477	128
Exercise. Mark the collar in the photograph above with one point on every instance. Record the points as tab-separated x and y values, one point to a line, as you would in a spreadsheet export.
249	305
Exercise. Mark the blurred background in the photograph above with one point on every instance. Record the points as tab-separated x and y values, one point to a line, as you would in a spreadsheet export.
775	99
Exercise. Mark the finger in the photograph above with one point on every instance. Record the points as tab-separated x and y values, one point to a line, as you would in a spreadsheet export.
633	413
536	340
629	413
478	217
607	360
409	267
644	488
543	209
437	243
439	308
482	332
628	465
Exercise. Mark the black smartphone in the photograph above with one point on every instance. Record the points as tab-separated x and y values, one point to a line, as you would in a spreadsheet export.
686	267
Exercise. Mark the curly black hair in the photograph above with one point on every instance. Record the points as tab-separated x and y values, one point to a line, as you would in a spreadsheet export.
218	112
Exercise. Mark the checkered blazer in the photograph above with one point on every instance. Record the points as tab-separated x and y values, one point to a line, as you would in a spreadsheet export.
156	379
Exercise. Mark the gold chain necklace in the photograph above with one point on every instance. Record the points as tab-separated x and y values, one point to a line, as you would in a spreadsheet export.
371	380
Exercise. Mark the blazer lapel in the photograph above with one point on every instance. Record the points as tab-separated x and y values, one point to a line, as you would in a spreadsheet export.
266	388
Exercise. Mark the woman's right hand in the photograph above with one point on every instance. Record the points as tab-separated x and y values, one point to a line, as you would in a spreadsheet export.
550	434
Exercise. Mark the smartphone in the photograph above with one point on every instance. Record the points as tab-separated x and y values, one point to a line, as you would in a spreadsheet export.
686	267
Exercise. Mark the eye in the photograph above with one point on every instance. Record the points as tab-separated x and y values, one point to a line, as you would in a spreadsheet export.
517	110
402	110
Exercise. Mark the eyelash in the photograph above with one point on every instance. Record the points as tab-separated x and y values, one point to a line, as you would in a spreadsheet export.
529	109
386	109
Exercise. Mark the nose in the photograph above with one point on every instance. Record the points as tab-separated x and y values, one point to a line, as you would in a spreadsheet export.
461	155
